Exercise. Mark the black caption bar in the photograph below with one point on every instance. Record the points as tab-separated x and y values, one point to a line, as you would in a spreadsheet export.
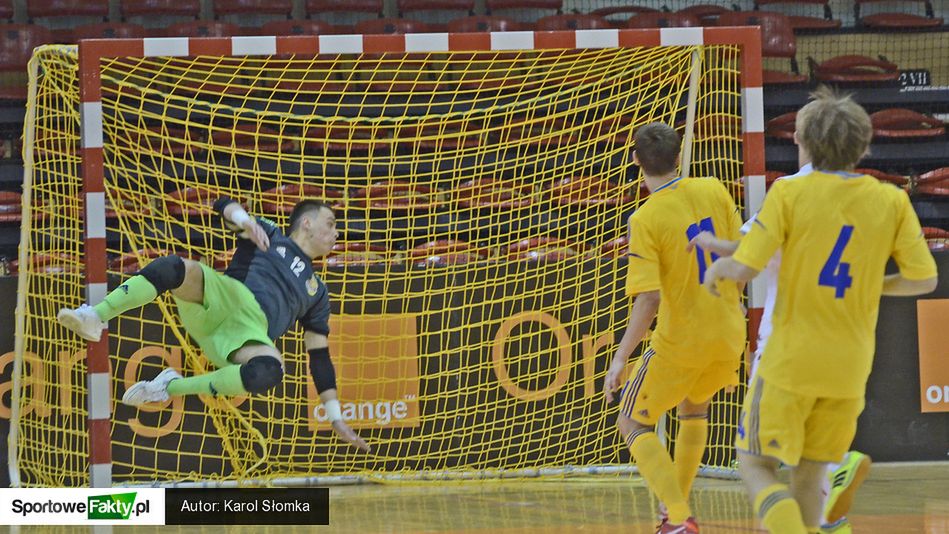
285	506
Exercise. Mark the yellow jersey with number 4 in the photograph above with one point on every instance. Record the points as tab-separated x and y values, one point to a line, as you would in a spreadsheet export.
836	232
693	328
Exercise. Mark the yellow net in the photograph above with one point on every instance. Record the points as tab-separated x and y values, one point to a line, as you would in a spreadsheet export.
478	283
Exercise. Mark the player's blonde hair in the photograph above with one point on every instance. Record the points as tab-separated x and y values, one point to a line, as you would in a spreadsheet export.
834	130
657	148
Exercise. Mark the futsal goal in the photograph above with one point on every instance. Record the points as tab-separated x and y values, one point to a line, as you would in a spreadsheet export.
482	182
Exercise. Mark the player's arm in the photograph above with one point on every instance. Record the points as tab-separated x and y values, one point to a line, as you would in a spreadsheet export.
324	376
708	241
727	269
644	310
236	218
918	274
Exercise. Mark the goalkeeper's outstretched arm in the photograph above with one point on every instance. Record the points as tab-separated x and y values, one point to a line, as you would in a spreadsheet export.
237	219
324	377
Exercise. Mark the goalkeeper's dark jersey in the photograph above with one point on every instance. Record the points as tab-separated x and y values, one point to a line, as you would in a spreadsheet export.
282	281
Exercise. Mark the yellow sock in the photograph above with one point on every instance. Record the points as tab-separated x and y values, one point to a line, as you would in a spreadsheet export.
778	511
655	465
690	446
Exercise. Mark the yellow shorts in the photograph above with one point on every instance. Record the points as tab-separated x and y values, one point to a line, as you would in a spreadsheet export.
657	385
782	424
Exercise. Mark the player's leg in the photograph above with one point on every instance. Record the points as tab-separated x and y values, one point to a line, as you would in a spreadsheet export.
806	482
771	430
690	442
831	428
168	273
692	412
231	330
651	390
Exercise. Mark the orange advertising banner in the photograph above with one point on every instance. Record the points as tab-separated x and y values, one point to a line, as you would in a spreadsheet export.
376	360
933	318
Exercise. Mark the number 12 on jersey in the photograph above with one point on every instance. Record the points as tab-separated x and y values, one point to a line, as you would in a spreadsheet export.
705	225
836	274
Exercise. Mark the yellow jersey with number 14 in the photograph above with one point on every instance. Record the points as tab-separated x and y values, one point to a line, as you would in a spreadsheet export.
693	328
836	232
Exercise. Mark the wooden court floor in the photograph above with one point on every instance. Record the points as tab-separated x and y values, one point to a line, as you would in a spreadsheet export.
897	498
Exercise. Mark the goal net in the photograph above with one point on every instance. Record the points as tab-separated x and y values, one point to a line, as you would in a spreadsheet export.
482	183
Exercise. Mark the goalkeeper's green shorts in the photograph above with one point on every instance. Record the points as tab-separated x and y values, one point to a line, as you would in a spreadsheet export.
229	318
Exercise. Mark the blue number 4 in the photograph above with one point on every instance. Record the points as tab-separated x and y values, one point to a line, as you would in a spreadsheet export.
705	225
836	274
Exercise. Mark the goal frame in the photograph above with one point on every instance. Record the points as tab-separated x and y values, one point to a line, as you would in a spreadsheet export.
91	52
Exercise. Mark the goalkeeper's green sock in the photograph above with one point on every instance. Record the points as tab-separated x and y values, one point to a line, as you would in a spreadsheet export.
135	292
225	381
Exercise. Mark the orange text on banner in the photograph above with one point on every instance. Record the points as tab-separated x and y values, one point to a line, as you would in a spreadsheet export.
933	354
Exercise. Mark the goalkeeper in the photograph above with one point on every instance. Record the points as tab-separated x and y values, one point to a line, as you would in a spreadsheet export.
236	316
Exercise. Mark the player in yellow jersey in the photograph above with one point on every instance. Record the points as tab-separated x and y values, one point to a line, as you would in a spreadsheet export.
696	347
836	230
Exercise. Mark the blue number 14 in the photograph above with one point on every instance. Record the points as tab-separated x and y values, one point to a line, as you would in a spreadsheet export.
836	274
705	225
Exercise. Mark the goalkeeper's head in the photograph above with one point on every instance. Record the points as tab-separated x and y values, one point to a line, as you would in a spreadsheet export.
833	131
657	150
313	227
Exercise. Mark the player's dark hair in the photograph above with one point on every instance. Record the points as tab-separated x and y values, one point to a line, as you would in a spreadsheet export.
302	208
657	148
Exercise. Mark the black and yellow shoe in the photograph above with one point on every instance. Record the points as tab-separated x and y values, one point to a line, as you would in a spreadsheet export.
844	483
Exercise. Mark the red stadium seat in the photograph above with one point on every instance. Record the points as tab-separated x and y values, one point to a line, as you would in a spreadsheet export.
798	22
895	179
203	28
936	238
488	193
664	20
571	22
782	126
777	41
250	140
11	206
933	183
17	42
67	8
615	248
905	124
707	13
130	264
357	254
390	26
483	24
855	69
191	201
51	263
897	21
345	138
131	203
771	176
543	250
253	7
6	10
625	11
408	6
297	27
280	200
397	196
445	252
177	142
587	191
333	6
108	30
147	8
499	5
